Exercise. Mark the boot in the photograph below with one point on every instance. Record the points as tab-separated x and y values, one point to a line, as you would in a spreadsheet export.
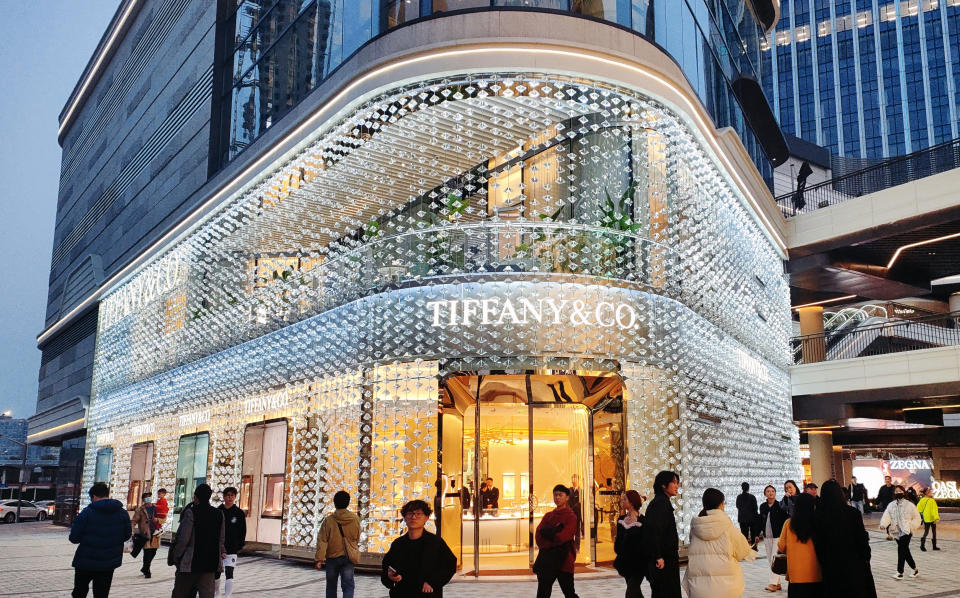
923	541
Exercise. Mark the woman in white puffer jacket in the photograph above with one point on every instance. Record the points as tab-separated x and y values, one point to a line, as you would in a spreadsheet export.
716	548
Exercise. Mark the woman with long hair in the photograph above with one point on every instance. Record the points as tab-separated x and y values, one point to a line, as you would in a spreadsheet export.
716	548
628	546
842	545
796	541
772	517
902	518
790	493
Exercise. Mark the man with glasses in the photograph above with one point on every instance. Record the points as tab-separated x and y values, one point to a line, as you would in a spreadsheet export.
418	563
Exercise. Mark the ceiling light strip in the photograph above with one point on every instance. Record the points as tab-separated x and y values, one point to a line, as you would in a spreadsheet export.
824	301
187	226
897	253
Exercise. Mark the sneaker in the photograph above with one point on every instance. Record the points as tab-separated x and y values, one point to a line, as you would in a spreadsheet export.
916	573
898	576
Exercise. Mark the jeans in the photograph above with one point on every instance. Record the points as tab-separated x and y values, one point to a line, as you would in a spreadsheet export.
339	566
858	505
101	583
545	585
903	553
926	528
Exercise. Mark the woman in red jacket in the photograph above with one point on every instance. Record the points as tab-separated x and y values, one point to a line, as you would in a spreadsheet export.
554	538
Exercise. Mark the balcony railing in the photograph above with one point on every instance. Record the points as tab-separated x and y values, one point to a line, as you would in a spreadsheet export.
894	336
893	172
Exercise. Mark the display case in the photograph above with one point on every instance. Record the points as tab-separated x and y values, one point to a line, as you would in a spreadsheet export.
272	496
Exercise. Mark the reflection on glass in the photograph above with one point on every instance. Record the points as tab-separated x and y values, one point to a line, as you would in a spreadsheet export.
273	495
191	468
104	466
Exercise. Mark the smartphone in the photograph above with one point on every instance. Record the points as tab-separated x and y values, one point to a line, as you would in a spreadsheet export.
392	570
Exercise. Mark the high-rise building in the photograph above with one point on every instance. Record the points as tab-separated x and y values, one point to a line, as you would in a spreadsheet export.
866	78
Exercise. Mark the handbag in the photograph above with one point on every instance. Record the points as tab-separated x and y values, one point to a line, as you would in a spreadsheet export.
352	550
779	564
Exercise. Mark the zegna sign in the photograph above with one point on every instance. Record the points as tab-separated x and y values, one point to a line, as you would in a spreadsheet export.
497	311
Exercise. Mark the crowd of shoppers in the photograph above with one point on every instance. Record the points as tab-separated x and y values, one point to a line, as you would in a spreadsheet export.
816	538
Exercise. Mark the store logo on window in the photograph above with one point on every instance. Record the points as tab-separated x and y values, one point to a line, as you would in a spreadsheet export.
142	429
497	312
105	438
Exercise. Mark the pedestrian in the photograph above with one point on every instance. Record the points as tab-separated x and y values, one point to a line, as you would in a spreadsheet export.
144	525
810	488
790	492
716	549
576	505
772	517
747	513
163	509
858	494
418	563
885	497
930	513
234	537
842	545
555	537
902	517
628	545
490	496
912	495
100	531
199	550
796	541
662	543
338	546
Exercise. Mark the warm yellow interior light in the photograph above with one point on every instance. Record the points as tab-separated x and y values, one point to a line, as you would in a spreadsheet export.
896	254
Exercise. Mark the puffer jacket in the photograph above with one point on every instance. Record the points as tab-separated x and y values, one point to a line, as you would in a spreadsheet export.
903	515
929	510
716	547
100	530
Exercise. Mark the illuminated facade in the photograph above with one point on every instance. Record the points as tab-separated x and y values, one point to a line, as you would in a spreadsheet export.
501	256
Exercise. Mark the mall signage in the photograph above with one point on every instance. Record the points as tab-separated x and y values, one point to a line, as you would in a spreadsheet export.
274	400
945	490
911	464
496	311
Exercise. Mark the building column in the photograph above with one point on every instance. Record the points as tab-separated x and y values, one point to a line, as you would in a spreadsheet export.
814	349
821	456
955	302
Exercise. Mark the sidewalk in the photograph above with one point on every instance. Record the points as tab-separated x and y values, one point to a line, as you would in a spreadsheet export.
35	561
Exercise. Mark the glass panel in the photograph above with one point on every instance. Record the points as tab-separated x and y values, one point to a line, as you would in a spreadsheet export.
272	496
399	12
554	4
141	473
609	473
457	494
445	5
191	468
104	466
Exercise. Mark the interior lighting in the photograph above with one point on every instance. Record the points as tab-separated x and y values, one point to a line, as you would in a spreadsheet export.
954	406
96	66
835	299
896	254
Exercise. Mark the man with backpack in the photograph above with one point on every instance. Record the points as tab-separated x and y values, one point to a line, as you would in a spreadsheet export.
199	550
338	546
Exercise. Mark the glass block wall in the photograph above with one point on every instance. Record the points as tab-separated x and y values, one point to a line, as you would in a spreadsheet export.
480	222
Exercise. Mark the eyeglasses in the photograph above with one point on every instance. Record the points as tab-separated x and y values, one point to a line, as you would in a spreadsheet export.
415	514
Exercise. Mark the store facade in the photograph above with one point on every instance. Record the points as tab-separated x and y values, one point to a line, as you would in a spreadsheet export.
534	274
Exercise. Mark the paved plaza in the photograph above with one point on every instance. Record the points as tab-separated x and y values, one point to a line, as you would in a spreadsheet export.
35	561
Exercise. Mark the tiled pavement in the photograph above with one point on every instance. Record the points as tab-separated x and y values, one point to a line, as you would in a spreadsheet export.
35	561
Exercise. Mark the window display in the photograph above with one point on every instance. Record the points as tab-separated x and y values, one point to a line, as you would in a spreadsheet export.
104	466
262	483
141	473
191	468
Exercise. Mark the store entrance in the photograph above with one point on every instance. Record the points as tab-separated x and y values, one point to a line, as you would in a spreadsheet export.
261	480
508	439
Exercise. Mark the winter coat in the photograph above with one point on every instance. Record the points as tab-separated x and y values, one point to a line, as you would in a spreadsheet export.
716	547
843	549
802	564
902	514
330	544
557	528
885	496
928	509
141	522
100	530
200	540
858	492
628	546
234	528
746	508
786	503
661	540
426	559
777	517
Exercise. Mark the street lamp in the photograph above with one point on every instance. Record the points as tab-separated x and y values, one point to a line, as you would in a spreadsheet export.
23	468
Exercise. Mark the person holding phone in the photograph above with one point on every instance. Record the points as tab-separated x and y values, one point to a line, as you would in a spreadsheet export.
418	563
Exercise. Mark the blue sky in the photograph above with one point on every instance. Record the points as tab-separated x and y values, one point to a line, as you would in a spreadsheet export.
44	46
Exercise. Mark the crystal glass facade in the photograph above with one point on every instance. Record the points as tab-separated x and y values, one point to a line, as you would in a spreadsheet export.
486	222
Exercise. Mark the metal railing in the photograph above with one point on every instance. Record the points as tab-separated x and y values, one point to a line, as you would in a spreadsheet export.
890	173
893	336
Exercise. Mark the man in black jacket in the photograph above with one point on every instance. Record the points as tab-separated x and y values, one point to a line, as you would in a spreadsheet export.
747	513
234	537
661	541
418	563
100	529
858	494
885	497
199	550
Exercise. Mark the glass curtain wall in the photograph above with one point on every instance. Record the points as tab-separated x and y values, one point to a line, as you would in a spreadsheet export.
104	468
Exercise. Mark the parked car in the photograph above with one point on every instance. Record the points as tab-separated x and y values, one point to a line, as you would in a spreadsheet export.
47	505
28	510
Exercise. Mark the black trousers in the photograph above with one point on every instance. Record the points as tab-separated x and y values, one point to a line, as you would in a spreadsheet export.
926	528
101	583
633	587
903	553
148	554
747	530
805	590
545	585
664	583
